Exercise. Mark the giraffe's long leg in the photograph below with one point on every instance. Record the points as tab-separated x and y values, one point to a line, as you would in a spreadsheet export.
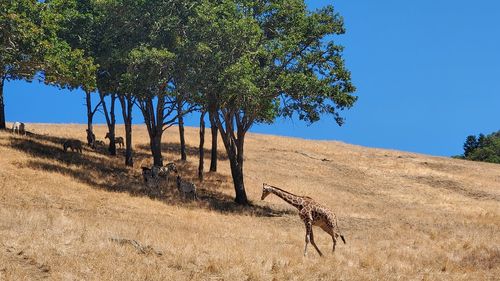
308	235
314	244
334	241
329	229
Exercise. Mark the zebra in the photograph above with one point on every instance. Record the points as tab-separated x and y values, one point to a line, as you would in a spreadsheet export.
149	179
186	188
155	175
73	144
165	170
118	140
18	128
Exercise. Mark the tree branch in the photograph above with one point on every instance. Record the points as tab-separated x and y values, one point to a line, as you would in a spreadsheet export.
170	125
96	108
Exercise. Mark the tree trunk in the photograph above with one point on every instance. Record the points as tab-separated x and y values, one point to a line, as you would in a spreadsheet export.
126	105
156	149
234	148
202	143
90	117
110	121
215	131
129	158
2	105
239	185
112	146
181	130
153	118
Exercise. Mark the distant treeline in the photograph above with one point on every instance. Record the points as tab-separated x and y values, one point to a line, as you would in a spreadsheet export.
484	148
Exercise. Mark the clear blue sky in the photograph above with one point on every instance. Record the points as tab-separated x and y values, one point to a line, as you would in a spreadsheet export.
427	73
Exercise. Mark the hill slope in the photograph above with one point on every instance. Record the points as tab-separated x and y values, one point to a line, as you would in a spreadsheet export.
405	216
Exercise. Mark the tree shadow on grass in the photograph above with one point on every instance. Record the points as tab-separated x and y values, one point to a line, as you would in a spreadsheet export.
225	204
211	194
175	148
108	173
89	167
99	149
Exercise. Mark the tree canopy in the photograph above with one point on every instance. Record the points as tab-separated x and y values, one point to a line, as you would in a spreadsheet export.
30	48
264	59
242	61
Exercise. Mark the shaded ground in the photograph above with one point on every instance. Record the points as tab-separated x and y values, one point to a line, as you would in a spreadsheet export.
192	151
98	170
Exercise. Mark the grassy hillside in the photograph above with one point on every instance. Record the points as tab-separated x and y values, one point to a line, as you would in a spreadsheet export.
86	217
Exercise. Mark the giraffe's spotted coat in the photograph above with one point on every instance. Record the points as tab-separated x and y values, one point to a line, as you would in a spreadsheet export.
311	213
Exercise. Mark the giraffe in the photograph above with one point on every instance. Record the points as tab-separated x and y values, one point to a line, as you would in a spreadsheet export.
311	213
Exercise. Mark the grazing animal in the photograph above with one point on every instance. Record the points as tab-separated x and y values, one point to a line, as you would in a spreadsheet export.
186	188
118	140
165	170
154	175
73	144
99	142
90	138
149	179
311	213
18	128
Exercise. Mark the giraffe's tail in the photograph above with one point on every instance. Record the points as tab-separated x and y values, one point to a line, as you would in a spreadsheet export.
342	236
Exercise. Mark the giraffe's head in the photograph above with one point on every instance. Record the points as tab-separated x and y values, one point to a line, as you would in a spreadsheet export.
266	189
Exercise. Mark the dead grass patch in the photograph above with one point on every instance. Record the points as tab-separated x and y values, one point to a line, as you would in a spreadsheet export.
487	258
405	216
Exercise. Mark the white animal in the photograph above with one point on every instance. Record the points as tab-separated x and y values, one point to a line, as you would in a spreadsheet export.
18	128
186	188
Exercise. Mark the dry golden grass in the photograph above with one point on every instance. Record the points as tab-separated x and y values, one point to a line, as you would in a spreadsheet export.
405	216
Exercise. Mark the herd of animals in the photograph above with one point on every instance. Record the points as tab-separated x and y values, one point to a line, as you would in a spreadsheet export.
154	177
310	212
157	176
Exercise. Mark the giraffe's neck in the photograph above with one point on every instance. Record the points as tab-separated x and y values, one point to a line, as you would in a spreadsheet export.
290	198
